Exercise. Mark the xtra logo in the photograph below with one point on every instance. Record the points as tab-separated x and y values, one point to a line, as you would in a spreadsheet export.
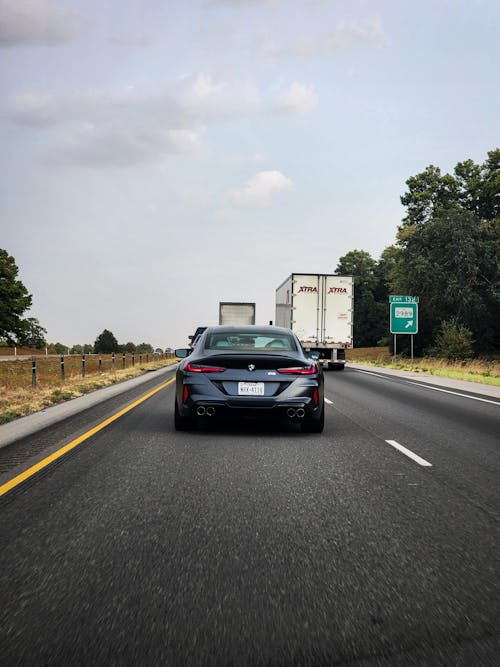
337	290
306	288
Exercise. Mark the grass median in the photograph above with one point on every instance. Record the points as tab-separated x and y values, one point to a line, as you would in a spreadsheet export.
484	371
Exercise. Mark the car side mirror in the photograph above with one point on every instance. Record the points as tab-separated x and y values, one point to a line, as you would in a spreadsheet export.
182	352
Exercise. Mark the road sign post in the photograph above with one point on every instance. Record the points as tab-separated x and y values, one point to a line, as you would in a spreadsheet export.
404	317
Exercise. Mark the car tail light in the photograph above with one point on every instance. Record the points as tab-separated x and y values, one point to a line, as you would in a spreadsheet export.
185	394
316	397
299	370
199	368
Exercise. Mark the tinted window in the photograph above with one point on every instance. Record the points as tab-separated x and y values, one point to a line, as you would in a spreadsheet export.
240	342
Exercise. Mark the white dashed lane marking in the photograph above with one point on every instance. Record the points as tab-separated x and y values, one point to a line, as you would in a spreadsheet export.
409	453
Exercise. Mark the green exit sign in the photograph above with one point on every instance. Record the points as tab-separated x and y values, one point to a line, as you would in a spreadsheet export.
404	317
394	298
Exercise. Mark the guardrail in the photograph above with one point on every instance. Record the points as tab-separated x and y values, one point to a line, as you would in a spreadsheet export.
52	369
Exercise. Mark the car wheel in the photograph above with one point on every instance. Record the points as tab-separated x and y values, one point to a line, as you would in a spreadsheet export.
182	423
313	425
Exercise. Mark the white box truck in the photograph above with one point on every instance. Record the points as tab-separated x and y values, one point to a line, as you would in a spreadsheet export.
319	309
235	312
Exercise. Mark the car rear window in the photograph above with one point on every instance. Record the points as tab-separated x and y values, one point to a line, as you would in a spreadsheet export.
239	342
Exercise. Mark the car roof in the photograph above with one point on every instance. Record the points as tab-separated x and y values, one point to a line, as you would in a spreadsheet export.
249	328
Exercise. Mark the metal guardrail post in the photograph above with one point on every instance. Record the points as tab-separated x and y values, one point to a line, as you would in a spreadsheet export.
100	365
83	365
62	366
112	361
33	371
123	360
133	358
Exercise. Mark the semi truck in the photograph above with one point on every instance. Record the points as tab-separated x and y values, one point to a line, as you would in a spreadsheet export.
236	312
318	307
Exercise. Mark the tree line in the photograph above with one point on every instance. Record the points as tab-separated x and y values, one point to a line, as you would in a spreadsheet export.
105	343
446	252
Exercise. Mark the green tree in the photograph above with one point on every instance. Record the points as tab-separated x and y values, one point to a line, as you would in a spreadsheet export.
454	341
428	192
14	300
129	347
451	263
370	313
106	343
57	348
32	334
144	348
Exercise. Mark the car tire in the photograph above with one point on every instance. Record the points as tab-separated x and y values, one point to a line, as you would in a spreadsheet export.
313	425
182	423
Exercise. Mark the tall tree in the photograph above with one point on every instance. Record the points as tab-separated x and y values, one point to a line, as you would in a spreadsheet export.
449	244
106	342
32	334
14	302
370	319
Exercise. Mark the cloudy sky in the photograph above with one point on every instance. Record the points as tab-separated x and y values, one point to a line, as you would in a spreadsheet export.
160	156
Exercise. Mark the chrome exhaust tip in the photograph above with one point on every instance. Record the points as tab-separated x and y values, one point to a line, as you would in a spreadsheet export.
301	413
200	411
291	413
210	411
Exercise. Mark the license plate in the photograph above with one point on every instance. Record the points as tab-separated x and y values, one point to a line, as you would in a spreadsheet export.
250	388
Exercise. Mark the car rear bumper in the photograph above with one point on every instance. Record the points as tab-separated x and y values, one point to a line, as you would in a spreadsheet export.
300	407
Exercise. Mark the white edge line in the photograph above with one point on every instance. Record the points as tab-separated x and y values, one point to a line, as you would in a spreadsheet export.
410	454
327	400
426	386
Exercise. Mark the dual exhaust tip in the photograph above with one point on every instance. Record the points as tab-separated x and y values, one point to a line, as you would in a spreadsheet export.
299	412
201	411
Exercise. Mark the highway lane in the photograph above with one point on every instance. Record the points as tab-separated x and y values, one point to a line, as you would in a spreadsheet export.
458	434
255	545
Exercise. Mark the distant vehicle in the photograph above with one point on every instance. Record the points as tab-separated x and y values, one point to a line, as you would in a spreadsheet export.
248	370
319	310
236	312
195	337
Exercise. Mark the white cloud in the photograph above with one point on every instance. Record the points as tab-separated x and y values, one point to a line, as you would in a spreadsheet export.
122	124
203	97
345	36
298	98
35	22
259	191
123	146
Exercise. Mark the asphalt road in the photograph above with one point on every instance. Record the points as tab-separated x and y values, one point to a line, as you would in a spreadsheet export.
259	545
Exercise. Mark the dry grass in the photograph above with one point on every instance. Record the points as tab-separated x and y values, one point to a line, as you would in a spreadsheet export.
485	371
18	401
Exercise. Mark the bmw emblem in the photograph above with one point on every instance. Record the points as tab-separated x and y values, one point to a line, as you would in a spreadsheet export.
251	367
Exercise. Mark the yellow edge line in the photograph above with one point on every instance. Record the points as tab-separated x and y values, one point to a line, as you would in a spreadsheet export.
15	481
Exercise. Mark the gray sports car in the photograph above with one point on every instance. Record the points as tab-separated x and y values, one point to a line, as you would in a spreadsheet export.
248	370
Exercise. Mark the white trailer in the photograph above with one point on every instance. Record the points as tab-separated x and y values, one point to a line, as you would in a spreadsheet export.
236	312
319	309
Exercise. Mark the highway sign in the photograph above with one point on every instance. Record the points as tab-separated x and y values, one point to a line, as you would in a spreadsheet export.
404	317
403	299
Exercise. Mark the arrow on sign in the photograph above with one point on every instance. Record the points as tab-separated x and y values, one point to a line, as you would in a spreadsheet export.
409	324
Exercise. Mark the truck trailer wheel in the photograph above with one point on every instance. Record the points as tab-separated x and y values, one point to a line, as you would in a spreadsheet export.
335	367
